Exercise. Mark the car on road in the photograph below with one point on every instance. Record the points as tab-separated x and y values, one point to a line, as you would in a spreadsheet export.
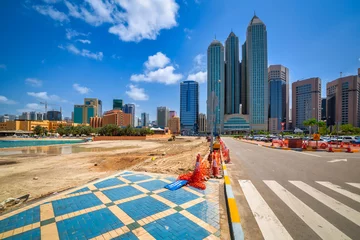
347	139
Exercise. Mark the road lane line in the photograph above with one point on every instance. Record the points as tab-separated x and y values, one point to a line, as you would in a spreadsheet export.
316	222
269	224
340	190
310	154
357	185
335	205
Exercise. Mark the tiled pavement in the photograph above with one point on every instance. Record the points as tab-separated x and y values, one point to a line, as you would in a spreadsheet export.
129	205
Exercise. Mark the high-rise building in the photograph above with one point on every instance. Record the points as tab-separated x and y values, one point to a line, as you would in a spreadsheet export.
172	113
40	116
162	117
343	101
257	67
4	118
174	125
117	104
145	119
323	109
278	77
117	117
25	116
92	107
306	101
130	108
202	123
54	115
33	116
244	82
215	86
232	75
189	106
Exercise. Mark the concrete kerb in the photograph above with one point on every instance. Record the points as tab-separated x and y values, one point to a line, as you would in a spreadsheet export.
233	213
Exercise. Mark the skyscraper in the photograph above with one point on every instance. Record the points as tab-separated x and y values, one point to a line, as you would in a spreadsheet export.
130	108
117	104
215	86
278	77
145	119
92	107
244	82
54	115
33	116
189	106
232	75
162	117
202	123
257	83
343	101
306	101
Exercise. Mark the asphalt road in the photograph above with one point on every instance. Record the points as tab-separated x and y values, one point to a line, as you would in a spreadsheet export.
295	195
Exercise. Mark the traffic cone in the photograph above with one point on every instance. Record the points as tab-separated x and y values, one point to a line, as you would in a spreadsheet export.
341	144
215	168
197	164
349	149
330	148
228	156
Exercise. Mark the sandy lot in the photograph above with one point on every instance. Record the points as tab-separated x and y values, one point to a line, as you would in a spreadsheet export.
41	171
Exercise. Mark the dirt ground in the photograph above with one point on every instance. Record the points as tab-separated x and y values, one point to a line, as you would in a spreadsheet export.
42	171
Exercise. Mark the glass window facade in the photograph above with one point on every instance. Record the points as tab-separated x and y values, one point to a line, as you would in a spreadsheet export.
189	106
117	104
78	114
303	104
345	103
236	124
276	93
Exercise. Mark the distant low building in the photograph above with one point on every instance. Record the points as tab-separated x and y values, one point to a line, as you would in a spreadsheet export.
54	115
174	125
116	117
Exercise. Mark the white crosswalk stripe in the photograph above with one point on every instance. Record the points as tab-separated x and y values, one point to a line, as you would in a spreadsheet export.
272	228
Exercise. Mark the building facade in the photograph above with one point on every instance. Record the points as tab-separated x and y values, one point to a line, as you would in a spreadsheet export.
33	116
145	119
278	77
172	114
162	117
117	104
25	116
202	123
189	106
215	86
257	71
130	108
343	101
92	107
54	115
244	82
236	123
306	101
323	109
174	125
117	117
40	116
232	75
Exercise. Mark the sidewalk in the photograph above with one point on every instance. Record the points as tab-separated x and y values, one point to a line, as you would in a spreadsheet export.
129	205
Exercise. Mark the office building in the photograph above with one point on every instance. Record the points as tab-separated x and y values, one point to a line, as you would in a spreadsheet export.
40	116
172	113
54	115
202	123
343	101
116	117
92	107
130	108
215	86
323	109
67	119
25	116
174	125
232	75
4	118
278	77
306	101
162	117
117	104
33	116
243	82
257	71
189	107
145	119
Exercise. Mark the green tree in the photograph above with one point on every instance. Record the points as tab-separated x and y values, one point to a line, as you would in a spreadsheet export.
38	130
347	129
310	123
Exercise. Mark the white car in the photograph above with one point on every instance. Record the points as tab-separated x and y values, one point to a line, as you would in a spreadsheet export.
347	139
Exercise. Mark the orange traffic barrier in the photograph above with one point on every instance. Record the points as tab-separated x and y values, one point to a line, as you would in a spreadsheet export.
348	149
215	168
330	148
196	179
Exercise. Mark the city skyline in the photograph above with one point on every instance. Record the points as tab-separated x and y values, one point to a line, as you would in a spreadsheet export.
81	71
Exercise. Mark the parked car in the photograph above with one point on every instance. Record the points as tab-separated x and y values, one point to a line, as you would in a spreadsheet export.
347	139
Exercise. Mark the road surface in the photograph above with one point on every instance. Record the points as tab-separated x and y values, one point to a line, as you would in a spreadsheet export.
295	195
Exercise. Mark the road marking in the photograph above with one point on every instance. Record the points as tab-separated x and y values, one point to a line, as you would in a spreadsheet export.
316	222
357	185
310	154
335	205
269	224
337	160
340	190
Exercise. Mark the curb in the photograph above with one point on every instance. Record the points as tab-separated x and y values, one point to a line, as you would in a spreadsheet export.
234	217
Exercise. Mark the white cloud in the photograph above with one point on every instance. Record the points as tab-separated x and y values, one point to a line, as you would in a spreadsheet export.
33	82
52	12
3	66
188	33
159	60
84	41
81	89
199	62
132	20
137	93
114	56
162	75
200	77
5	100
45	96
32	107
83	52
70	33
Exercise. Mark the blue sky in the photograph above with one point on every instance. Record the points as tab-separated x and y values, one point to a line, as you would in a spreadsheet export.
139	50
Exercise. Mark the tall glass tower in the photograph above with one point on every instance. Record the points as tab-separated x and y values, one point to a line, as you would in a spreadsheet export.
232	75
130	108
257	64
189	106
215	86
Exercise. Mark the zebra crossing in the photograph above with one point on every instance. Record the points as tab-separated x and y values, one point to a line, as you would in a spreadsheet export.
272	228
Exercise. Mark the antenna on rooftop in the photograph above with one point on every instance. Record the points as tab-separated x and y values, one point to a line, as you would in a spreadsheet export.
340	74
